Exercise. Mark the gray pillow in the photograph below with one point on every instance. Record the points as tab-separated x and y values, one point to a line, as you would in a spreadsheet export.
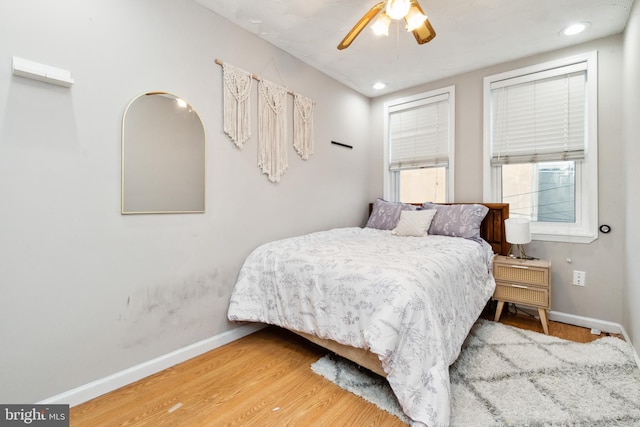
385	215
457	220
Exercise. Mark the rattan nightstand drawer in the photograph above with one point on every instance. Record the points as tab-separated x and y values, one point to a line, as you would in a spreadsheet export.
528	295
521	274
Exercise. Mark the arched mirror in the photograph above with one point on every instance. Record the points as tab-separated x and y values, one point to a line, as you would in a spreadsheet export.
163	156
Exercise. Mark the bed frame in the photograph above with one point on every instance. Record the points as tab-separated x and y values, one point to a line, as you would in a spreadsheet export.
491	230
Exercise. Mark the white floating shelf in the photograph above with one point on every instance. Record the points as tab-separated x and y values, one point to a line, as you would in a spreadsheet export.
44	73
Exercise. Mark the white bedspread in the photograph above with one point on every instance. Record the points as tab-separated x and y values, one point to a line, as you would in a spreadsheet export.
410	300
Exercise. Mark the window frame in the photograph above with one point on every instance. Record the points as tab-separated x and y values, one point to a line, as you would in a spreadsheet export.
391	178
584	230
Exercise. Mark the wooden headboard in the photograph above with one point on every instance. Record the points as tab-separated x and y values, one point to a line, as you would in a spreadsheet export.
492	227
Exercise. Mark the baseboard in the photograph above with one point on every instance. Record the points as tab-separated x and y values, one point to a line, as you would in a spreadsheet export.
588	322
628	339
112	382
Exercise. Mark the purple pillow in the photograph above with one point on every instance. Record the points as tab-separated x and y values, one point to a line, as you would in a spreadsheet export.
385	215
457	220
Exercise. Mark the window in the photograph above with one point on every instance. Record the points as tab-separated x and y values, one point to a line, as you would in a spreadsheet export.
540	145
419	147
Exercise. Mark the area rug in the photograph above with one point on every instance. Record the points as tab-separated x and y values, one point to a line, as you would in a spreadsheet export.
507	376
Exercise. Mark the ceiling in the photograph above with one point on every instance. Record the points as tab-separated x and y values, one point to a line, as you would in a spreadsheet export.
470	34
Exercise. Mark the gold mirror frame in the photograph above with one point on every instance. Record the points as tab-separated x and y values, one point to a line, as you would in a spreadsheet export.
163	156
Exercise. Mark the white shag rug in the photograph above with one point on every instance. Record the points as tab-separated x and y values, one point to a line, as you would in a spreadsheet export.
507	376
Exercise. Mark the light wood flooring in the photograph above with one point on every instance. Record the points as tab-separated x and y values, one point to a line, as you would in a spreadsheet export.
263	379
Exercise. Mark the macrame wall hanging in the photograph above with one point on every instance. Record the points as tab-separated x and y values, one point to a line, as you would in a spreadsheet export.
272	138
303	125
272	105
237	87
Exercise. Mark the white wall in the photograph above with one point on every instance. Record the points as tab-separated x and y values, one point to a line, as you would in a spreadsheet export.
602	260
86	292
631	116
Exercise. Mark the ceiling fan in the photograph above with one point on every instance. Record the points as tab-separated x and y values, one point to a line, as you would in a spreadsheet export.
409	10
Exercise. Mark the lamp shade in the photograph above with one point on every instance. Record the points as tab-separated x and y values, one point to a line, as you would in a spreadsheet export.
518	230
381	26
414	18
397	9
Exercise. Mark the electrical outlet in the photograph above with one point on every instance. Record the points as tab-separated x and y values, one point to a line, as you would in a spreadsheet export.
579	278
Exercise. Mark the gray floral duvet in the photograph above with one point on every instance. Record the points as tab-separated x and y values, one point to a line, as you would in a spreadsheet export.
410	300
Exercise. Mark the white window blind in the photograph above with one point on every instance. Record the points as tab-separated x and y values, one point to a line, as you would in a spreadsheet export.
539	117
419	134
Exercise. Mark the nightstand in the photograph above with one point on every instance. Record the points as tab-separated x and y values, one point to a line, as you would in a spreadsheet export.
525	282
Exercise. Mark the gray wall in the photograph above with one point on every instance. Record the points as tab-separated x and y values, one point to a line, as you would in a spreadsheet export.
602	260
631	176
86	292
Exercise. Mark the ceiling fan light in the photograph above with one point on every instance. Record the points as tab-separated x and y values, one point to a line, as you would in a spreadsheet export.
414	18
397	9
381	26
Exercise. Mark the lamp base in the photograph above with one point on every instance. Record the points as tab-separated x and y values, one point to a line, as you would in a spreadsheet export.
521	253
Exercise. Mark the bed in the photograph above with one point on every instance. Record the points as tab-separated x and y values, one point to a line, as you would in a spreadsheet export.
395	301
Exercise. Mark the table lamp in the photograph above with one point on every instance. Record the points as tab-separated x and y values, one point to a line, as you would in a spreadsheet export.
518	232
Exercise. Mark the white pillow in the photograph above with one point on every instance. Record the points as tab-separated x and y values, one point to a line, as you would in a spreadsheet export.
414	223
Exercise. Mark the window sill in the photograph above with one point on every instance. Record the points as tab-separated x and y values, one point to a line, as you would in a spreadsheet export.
567	238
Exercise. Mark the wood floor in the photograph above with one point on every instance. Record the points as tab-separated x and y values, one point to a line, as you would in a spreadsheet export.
261	380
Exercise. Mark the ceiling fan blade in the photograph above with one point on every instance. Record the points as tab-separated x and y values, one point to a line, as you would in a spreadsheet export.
350	37
425	32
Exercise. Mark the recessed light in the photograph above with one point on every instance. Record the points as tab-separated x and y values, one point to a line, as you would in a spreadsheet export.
574	29
379	86
255	21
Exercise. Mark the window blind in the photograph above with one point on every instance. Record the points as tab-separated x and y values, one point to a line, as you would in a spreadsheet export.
419	133
539	117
